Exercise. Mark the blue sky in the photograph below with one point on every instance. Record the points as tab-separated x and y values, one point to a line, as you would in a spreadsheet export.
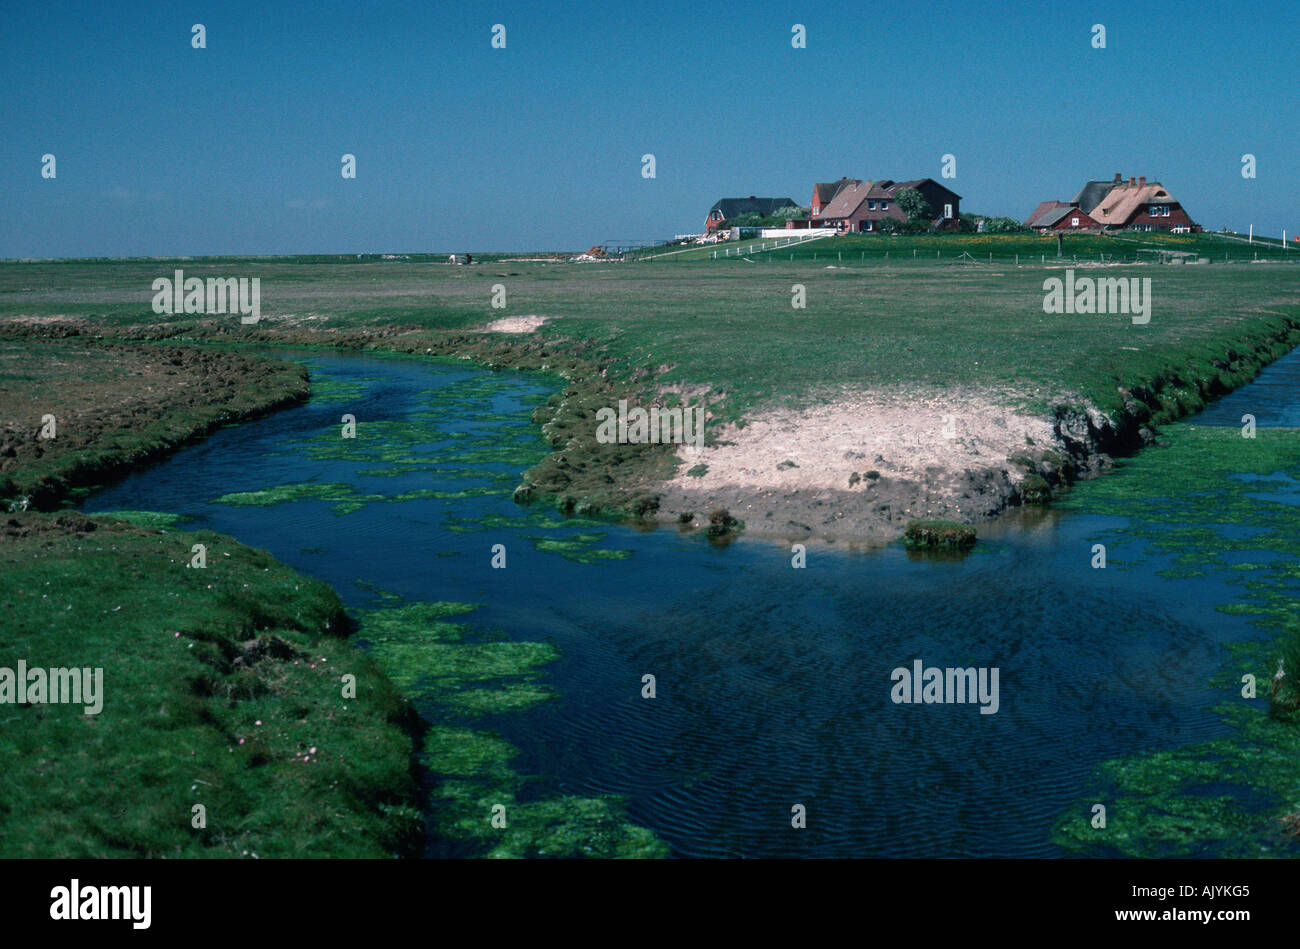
165	149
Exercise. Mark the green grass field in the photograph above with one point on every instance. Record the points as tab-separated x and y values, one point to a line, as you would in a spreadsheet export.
730	325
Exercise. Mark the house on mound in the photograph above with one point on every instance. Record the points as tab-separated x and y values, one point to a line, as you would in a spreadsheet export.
863	207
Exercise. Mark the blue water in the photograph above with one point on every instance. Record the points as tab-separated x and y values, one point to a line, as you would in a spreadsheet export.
773	682
1273	398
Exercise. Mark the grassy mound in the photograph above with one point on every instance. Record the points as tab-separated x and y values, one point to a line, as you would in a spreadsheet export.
222	687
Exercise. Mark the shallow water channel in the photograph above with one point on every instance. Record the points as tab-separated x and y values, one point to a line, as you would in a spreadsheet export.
773	683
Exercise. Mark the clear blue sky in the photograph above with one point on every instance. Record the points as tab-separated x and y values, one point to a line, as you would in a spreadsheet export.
165	149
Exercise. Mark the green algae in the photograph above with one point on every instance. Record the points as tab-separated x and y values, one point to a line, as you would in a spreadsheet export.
344	496
1197	500
579	548
329	389
159	519
480	804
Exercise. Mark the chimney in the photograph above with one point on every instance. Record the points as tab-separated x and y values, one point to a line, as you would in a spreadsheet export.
1118	177
1142	181
1131	181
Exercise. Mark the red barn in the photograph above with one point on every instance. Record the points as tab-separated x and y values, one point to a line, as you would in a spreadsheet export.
1059	216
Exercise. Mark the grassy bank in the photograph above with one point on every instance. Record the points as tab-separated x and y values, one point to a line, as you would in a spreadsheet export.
1224	506
222	687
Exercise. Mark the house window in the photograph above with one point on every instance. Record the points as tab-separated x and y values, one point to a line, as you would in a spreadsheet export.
884	205
1074	222
947	211
871	205
866	225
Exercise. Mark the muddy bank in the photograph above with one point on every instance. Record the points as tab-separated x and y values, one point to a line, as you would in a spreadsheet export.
80	412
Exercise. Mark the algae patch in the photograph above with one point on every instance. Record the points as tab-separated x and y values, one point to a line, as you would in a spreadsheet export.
1198	500
481	805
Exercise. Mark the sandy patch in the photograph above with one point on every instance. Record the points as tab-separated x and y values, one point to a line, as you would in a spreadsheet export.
863	464
515	324
42	320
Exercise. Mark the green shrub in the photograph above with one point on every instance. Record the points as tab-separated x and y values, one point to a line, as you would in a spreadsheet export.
941	534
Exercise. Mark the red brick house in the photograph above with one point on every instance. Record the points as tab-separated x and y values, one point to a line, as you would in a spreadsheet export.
824	194
863	206
1060	216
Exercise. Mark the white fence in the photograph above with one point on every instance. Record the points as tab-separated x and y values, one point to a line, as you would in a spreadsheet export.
800	237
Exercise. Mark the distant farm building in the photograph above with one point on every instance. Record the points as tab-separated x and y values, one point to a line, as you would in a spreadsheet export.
866	206
728	209
1060	216
1116	204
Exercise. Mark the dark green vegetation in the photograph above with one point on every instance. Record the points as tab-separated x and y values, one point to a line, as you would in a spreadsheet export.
118	406
458	678
1184	501
223	686
942	534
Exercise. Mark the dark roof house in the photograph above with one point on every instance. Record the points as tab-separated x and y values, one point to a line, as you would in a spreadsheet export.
728	208
1092	193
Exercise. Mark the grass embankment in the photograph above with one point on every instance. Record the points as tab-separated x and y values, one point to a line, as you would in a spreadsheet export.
728	338
1222	505
222	687
1027	249
115	407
